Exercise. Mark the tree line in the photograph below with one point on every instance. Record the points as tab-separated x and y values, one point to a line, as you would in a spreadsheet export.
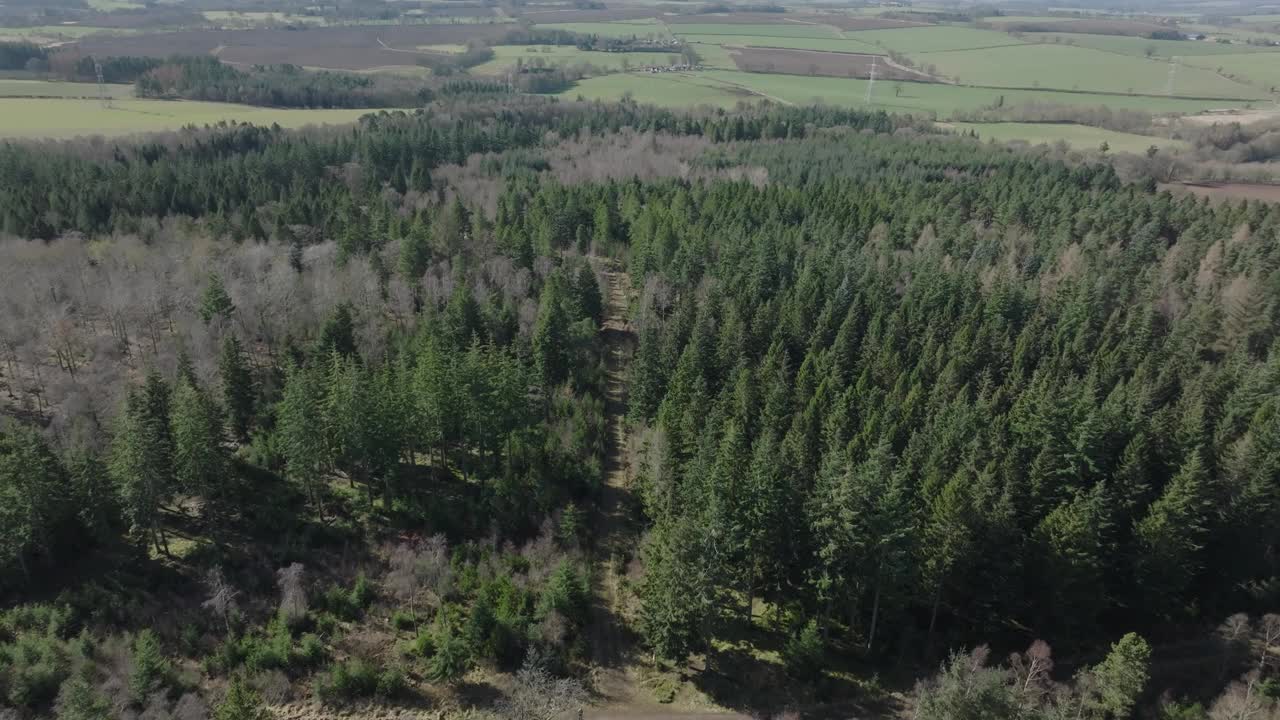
232	175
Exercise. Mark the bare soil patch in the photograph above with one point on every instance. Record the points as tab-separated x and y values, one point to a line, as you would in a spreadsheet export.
1228	191
820	63
345	48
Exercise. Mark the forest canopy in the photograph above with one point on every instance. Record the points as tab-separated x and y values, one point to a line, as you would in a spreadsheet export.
892	400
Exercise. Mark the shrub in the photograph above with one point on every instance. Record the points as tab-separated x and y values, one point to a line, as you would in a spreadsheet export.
242	702
571	525
347	681
150	668
189	639
226	657
32	668
566	593
326	623
391	682
803	652
423	644
452	656
1183	711
401	620
362	592
268	651
311	650
78	701
338	602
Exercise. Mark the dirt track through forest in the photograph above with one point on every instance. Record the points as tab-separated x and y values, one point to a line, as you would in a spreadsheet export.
614	678
611	526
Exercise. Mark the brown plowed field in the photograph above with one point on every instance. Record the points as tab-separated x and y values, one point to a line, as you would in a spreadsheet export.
344	48
814	62
1090	26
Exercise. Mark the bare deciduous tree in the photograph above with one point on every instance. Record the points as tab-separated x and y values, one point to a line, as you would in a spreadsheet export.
536	694
1031	671
222	597
293	593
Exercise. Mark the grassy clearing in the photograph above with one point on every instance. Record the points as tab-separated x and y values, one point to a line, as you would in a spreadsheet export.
1261	71
666	89
110	5
611	29
48	89
32	118
60	31
932	39
1078	136
714	56
506	56
1138	47
1064	67
444	48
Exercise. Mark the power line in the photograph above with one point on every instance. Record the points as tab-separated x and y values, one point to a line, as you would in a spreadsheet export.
104	98
871	83
1173	74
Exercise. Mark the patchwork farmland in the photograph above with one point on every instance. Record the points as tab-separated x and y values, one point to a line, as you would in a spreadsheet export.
939	62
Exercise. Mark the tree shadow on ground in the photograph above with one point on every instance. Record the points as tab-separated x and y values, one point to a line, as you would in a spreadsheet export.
746	674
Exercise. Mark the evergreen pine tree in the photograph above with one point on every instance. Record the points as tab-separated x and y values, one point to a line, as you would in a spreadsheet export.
237	387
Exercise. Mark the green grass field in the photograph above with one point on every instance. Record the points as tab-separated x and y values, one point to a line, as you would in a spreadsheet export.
44	89
611	29
444	48
110	5
1063	67
1138	47
935	39
69	118
666	89
506	56
1262	71
718	87
1078	136
60	31
714	56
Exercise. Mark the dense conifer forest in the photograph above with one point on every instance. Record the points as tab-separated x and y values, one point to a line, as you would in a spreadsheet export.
792	410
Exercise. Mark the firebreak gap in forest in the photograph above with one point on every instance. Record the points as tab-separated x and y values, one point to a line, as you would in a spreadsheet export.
513	408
